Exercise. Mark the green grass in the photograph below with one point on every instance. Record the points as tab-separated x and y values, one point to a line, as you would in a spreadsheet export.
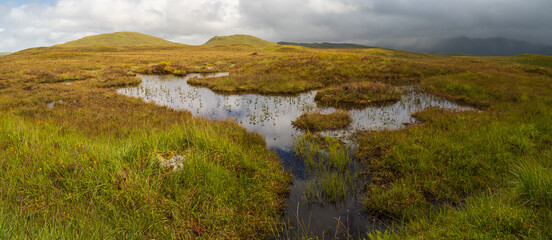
533	182
475	174
531	59
489	216
315	121
330	167
119	39
237	39
358	94
61	184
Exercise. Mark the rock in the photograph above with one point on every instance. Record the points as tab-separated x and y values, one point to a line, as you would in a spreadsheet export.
176	162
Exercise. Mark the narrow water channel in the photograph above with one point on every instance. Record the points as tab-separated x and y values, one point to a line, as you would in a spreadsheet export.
271	116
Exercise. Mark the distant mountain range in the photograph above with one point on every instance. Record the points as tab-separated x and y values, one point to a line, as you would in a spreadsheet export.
4	53
325	45
453	46
481	46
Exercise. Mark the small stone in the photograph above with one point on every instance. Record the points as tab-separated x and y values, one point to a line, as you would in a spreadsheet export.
176	162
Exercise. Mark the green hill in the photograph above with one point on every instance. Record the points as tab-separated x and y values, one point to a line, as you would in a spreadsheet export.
119	39
238	39
4	53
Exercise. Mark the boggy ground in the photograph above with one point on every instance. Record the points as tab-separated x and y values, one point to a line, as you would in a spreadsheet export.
87	166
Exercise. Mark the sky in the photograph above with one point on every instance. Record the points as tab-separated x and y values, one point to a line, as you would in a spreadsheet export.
386	23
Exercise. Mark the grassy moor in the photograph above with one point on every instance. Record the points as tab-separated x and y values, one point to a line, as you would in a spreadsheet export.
80	161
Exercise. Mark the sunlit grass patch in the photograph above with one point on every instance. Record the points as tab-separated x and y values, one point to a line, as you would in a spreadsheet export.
316	121
358	93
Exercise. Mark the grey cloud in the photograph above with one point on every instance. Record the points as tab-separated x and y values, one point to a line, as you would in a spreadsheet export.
387	23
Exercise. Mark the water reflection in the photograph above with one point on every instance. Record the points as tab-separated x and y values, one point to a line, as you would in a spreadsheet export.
271	116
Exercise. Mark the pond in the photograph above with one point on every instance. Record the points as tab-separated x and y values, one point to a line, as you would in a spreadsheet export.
271	116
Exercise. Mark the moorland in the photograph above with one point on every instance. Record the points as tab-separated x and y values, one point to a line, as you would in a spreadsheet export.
78	160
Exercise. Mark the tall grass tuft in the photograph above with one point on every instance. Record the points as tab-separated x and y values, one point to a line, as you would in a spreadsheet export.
534	182
330	166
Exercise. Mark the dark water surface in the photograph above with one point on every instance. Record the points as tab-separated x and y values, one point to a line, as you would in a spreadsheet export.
271	116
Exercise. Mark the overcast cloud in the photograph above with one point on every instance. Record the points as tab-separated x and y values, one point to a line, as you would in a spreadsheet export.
389	23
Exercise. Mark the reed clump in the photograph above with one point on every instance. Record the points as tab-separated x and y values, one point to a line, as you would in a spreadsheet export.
330	166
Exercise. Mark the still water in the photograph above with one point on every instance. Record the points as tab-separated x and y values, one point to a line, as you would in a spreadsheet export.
271	116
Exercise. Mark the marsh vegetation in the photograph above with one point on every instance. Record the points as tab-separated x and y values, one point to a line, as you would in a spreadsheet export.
316	121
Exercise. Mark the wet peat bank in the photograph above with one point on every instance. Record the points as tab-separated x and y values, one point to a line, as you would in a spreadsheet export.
272	117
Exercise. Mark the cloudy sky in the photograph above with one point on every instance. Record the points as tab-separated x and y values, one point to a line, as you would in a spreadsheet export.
388	23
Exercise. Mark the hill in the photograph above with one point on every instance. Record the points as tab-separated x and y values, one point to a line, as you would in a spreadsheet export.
119	39
237	39
325	45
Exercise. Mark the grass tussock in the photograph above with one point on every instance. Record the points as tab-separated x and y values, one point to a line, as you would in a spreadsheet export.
358	93
316	121
534	183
